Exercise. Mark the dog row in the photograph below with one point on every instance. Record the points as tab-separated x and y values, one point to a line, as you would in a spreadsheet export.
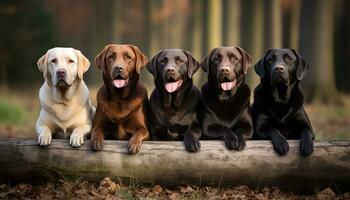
176	109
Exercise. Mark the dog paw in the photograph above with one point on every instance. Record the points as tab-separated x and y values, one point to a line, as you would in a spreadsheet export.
280	144
44	138
76	140
96	142
192	144
306	147
241	143
134	145
232	142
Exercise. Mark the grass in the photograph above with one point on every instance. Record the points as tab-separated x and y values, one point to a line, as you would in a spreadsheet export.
19	110
11	113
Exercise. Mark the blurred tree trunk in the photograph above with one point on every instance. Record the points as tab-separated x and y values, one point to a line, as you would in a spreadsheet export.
252	35
214	28
198	39
294	24
317	48
116	14
273	24
342	45
231	20
155	27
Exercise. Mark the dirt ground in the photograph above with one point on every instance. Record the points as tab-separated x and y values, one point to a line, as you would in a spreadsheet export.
107	189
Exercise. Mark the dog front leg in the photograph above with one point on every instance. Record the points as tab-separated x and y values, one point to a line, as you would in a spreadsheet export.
44	134
136	140
191	137
78	134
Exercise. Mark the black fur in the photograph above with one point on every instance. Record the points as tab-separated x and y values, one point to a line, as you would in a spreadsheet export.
278	113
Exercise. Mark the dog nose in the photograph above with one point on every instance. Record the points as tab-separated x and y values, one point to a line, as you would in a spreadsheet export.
280	68
225	70
118	68
61	73
170	70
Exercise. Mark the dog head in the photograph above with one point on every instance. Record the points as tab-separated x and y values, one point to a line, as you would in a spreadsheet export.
120	64
62	66
226	67
281	67
171	68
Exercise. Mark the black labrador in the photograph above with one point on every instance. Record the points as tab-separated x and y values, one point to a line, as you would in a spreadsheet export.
175	100
226	97
278	113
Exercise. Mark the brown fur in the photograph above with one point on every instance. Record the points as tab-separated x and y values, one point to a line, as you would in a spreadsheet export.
121	112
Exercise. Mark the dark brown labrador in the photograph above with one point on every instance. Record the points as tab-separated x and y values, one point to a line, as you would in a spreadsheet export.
225	96
121	101
278	112
175	100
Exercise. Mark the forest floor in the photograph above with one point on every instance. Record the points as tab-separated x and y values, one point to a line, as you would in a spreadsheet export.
107	189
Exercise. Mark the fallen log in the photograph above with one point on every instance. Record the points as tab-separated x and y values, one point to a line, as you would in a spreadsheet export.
168	163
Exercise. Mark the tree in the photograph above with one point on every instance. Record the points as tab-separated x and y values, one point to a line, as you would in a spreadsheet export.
317	48
197	39
214	28
232	22
252	34
273	24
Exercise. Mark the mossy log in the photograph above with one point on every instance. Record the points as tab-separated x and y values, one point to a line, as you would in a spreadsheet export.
169	164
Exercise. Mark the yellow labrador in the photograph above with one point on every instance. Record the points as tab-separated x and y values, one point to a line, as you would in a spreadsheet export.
64	97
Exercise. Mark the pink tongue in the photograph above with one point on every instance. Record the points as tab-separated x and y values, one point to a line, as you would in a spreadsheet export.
228	85
172	87
119	83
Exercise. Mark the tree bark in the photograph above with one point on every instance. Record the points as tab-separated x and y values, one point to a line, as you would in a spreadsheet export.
273	24
317	48
232	22
168	163
214	24
252	35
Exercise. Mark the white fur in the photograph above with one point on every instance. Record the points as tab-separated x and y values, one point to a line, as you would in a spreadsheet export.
72	111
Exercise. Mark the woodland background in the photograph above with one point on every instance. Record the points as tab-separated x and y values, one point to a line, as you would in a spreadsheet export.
318	29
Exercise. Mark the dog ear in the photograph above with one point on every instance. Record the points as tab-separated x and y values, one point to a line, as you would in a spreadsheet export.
42	64
83	63
152	64
206	61
193	64
100	59
302	67
259	66
140	59
246	59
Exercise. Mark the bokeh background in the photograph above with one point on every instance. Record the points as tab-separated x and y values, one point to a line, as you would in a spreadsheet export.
318	29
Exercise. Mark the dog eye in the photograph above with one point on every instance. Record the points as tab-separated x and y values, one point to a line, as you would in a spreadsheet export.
270	61
111	56
70	61
233	57
217	58
127	56
163	61
288	58
54	60
178	59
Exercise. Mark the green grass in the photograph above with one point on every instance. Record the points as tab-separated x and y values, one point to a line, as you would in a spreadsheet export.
11	113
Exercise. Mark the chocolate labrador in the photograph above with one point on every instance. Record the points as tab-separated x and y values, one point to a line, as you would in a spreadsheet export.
277	111
175	99
225	96
122	100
